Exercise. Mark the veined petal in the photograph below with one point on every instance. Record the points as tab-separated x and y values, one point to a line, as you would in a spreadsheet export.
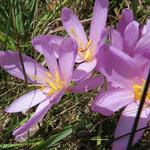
125	19
143	65
38	42
130	38
11	63
87	84
27	101
143	46
73	26
48	51
146	28
125	125
41	110
116	39
24	136
98	21
113	100
37	117
83	70
118	67
67	53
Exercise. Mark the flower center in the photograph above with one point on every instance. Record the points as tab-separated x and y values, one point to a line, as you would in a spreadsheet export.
54	83
138	90
83	50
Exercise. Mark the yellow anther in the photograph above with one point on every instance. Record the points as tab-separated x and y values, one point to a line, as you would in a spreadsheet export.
50	92
80	49
138	90
88	56
49	75
52	85
57	78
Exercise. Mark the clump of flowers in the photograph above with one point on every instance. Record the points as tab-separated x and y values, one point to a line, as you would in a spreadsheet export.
122	55
125	63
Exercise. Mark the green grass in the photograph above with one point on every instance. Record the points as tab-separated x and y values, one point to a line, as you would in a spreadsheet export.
71	124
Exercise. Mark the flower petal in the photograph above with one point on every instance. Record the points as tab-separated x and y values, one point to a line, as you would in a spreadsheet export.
131	35
87	84
67	53
118	67
125	19
125	125
73	26
14	67
143	65
98	21
83	70
48	51
24	136
41	110
27	101
116	39
37	116
111	101
37	42
146	28
143	46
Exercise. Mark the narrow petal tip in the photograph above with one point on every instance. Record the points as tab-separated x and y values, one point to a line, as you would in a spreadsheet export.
66	14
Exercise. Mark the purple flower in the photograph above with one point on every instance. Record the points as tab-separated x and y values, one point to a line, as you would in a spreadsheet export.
51	83
87	47
125	63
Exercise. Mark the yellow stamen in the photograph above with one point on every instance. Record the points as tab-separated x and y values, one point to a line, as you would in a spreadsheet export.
52	85
57	78
50	92
49	75
88	56
80	49
138	90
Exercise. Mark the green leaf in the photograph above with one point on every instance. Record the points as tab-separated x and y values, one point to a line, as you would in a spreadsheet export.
54	139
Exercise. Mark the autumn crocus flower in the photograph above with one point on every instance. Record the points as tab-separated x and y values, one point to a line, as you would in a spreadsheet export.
132	39
128	81
87	47
50	84
125	67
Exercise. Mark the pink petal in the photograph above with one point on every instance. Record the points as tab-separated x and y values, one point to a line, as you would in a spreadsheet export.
37	42
48	51
87	84
143	65
116	39
146	28
37	116
111	101
41	110
98	21
27	101
70	21
125	19
125	124
83	70
131	35
13	66
118	67
24	136
67	53
143	46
